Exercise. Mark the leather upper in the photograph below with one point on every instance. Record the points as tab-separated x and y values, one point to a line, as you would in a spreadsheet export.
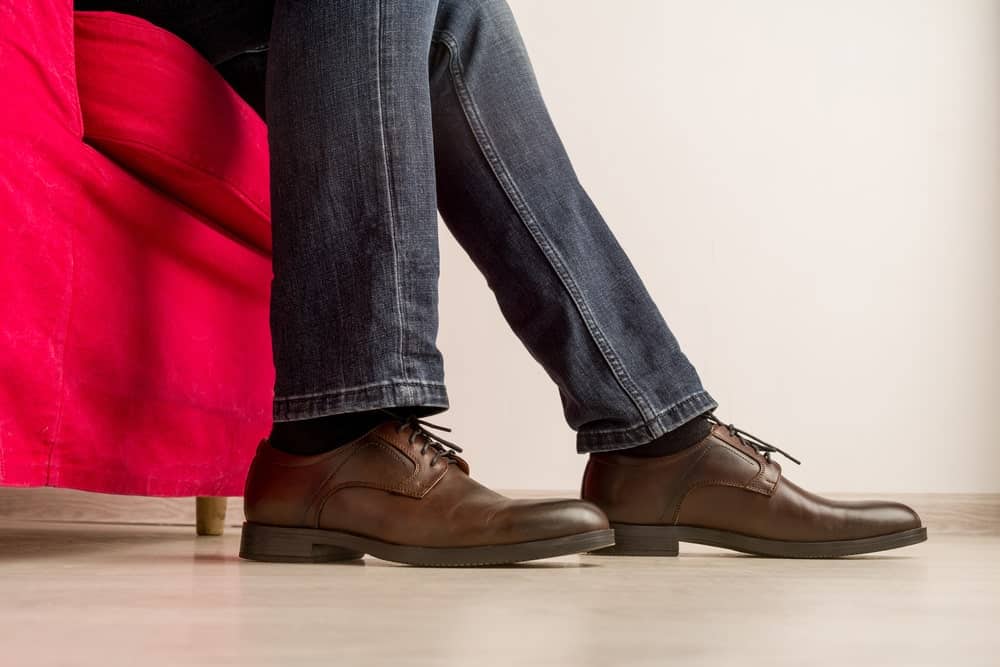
723	483
384	487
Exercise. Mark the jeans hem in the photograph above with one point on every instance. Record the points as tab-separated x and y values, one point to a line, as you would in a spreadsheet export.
664	421
379	395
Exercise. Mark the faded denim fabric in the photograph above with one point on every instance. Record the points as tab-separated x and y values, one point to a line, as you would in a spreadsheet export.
382	113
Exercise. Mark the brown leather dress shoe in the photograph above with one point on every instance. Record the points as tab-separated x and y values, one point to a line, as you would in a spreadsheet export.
400	493
727	492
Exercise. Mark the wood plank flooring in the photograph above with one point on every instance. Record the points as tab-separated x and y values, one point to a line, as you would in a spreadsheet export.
96	594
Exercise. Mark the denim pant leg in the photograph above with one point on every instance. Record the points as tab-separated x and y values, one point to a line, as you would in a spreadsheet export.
507	191
361	142
354	217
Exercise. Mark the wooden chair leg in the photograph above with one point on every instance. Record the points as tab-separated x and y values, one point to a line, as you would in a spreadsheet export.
210	515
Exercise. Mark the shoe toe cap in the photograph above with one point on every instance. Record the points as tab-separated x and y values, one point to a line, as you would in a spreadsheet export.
874	518
899	517
558	518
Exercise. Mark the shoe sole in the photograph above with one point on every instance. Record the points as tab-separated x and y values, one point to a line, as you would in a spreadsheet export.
638	540
280	544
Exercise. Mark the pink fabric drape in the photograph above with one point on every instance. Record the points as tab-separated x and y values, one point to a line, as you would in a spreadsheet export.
134	225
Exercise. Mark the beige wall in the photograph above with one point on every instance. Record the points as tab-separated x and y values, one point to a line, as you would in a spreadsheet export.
810	190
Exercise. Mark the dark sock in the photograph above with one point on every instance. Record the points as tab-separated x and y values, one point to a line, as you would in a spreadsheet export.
686	435
308	437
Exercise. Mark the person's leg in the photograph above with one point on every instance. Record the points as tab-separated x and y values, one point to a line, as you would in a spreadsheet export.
361	245
354	219
620	372
509	194
354	313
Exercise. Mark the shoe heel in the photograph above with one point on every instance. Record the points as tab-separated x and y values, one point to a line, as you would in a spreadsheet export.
634	540
290	545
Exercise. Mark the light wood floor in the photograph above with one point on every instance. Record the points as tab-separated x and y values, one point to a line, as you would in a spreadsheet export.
74	594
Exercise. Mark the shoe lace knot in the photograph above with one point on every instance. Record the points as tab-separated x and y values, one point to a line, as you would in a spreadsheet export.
418	429
752	441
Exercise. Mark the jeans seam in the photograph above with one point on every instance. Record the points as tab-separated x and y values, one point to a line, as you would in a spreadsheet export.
506	181
390	201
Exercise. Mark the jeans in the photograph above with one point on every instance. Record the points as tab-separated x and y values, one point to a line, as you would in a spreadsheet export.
382	113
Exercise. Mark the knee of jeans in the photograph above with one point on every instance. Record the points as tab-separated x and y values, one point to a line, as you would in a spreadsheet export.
478	26
465	15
